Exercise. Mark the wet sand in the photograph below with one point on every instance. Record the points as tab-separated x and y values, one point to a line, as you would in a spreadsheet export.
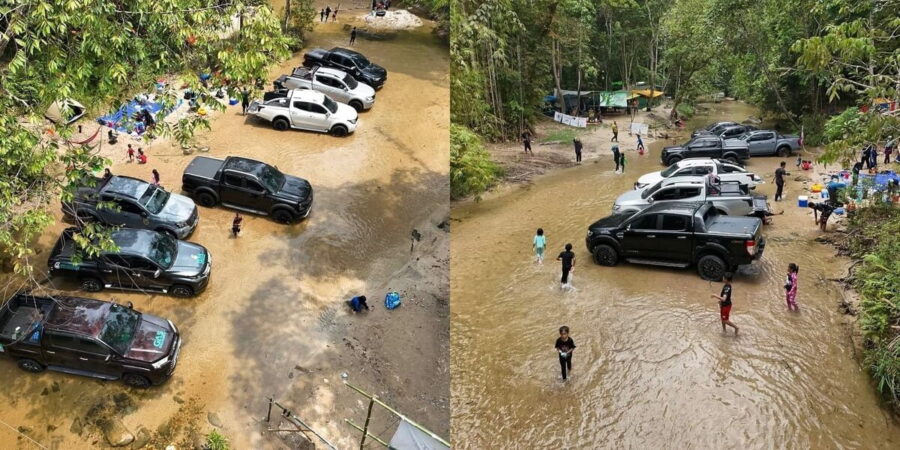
273	321
653	368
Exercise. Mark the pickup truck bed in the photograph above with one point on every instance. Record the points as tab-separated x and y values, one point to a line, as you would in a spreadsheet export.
204	167
738	226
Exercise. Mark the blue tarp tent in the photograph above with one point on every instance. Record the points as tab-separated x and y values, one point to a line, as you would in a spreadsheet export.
124	117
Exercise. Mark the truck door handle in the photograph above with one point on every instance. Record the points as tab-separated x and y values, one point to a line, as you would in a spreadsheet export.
651	235
83	359
50	353
682	237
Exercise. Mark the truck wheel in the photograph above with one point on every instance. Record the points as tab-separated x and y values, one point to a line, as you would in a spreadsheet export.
206	199
339	131
181	291
280	124
784	151
136	381
30	365
283	216
357	105
168	232
733	160
711	268
673	160
91	285
605	255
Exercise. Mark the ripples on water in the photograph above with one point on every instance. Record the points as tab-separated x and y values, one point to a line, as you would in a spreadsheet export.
652	368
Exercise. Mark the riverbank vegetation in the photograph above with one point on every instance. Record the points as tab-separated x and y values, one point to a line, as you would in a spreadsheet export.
874	242
800	61
101	54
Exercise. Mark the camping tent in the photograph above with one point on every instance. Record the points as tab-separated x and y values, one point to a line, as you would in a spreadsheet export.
55	111
646	95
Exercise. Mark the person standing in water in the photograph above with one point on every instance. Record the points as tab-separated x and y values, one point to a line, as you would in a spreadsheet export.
154	174
725	304
615	150
565	345
622	162
236	224
888	149
568	264
615	131
640	144
353	36
578	147
790	286
526	142
779	180
539	243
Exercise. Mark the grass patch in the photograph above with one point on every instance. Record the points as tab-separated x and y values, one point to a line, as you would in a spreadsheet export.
562	135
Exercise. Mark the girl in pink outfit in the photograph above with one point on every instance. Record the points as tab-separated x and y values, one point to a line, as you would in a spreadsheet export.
790	286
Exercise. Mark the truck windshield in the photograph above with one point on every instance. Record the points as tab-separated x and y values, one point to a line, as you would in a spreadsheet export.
351	82
118	330
330	104
669	171
163	250
154	199
272	178
361	61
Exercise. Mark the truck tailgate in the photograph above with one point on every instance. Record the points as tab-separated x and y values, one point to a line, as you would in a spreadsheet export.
204	167
744	227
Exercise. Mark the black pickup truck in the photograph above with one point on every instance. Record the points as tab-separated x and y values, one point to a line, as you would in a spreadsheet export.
349	61
735	151
247	185
143	261
678	234
88	337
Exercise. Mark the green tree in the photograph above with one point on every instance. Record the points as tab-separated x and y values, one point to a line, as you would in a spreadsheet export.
100	53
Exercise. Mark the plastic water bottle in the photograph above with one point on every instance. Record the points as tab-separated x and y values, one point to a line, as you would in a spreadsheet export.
825	194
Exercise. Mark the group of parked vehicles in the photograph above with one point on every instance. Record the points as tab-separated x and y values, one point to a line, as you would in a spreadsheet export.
149	251
325	94
700	210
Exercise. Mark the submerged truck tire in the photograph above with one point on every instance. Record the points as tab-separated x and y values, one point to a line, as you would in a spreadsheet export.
281	124
711	268
30	365
605	255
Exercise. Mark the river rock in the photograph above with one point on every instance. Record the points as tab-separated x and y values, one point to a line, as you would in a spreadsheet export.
115	433
76	427
214	419
141	439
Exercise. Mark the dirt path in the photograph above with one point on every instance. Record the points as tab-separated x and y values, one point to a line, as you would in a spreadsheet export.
273	322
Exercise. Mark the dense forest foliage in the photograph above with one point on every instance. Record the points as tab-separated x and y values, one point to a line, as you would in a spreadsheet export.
802	61
101	54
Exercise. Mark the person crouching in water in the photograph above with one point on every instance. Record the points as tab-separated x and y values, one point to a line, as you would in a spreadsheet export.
236	224
357	304
790	286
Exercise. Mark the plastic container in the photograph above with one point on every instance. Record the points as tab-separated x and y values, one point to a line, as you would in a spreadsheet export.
233	101
802	201
825	194
816	188
839	211
391	300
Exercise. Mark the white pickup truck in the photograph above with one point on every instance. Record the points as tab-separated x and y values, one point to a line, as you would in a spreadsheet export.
730	198
725	170
306	110
334	83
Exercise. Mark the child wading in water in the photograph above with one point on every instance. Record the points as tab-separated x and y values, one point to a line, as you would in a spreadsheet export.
725	304
790	286
565	345
236	224
539	244
568	264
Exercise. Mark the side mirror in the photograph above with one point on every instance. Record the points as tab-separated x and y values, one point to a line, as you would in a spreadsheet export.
144	214
650	199
628	227
157	273
108	357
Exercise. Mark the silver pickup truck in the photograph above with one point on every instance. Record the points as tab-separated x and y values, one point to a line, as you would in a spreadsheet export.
334	83
729	197
769	142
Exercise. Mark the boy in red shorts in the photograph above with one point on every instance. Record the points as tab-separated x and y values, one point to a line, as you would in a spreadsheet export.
725	304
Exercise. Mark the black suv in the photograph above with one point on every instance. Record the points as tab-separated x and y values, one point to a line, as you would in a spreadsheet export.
704	146
354	63
145	261
88	337
248	185
678	234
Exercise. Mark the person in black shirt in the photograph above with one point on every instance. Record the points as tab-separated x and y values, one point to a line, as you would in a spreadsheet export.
725	304
578	147
526	142
565	345
779	180
568	263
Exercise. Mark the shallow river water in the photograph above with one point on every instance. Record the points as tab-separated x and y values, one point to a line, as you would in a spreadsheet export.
653	368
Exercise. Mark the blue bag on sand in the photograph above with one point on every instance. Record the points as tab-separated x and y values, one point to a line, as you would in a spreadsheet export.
391	300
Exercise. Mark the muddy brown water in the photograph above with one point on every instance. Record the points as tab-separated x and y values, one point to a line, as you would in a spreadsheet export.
653	368
273	287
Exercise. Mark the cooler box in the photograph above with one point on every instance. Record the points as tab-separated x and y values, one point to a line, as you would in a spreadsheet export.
802	201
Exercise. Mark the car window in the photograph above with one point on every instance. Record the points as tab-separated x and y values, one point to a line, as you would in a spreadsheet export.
767	136
318	109
117	260
674	223
647	222
330	104
61	341
733	132
350	81
667	194
154	199
685	171
253	185
233	180
139	263
728	168
702	170
688	192
127	206
76	344
328	81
